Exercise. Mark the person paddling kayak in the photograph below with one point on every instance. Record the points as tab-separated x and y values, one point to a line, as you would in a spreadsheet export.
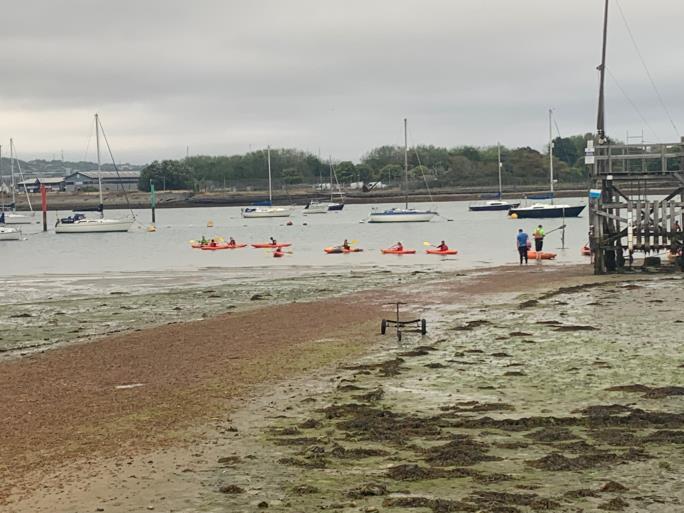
232	242
203	241
398	247
345	245
443	247
273	241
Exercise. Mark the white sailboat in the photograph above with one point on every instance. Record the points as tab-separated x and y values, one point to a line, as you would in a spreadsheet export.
7	233
270	210
79	223
11	216
406	214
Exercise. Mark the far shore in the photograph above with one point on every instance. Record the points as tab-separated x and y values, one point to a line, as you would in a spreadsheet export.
298	196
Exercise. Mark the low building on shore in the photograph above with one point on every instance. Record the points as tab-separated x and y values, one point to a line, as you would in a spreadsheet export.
111	181
51	183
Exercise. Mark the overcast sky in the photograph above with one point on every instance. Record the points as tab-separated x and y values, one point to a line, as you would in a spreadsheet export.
228	76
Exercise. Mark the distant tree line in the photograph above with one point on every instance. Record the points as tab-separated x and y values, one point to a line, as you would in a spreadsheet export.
463	166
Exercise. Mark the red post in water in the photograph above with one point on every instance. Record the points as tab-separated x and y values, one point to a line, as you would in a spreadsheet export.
43	201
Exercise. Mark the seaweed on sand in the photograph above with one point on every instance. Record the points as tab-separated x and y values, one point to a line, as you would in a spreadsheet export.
551	434
385	369
356	453
462	451
413	472
385	425
368	490
476	406
557	461
493	500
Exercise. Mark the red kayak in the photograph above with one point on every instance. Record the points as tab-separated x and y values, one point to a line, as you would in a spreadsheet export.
398	251
340	249
278	254
268	245
223	245
545	255
441	252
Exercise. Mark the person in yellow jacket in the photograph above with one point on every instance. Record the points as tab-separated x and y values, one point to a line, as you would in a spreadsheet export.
538	236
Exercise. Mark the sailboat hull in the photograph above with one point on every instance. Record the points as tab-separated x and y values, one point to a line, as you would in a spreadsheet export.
12	218
257	212
548	211
9	234
94	226
493	207
315	208
401	216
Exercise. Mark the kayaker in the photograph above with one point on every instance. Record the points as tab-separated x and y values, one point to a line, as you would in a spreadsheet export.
398	247
212	243
522	239
273	242
538	236
203	242
232	242
345	245
443	247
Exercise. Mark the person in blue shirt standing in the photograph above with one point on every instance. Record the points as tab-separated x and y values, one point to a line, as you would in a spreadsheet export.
522	242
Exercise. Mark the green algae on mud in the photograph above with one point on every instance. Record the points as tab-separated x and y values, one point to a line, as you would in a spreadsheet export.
36	325
562	435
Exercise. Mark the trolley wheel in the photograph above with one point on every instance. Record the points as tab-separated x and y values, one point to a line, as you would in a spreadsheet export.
399	336
383	327
423	326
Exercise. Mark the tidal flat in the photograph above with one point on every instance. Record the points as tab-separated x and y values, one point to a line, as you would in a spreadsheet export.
566	400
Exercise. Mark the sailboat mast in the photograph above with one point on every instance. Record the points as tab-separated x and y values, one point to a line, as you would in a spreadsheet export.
600	118
406	162
12	185
551	150
270	194
498	153
99	164
331	178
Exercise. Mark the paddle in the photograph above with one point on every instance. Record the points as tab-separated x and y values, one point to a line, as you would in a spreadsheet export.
429	244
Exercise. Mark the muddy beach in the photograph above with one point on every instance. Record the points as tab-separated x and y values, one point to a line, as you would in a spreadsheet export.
520	398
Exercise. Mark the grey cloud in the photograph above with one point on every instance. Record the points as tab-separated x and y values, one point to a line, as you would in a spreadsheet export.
222	76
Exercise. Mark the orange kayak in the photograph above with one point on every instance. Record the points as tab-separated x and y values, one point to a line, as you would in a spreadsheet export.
268	245
545	255
223	245
278	254
339	249
398	251
441	252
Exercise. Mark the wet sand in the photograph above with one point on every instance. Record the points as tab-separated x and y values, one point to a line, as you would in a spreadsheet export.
334	416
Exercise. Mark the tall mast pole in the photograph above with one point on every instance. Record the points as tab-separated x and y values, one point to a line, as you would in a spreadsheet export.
14	200
406	161
551	150
270	194
498	152
99	164
331	178
600	119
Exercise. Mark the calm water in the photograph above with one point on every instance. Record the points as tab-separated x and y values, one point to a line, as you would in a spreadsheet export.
482	239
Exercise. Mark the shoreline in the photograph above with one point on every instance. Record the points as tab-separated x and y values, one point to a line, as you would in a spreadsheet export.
174	436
